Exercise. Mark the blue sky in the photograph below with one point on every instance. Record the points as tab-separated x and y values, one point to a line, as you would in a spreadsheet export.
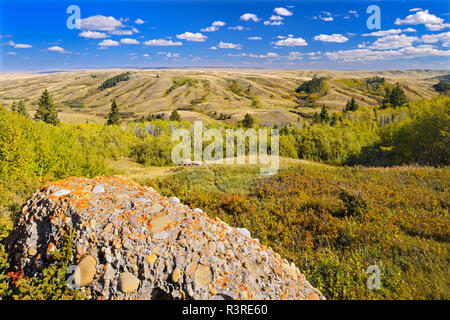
263	34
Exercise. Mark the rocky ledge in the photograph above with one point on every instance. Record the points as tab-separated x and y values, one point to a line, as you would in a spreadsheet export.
132	243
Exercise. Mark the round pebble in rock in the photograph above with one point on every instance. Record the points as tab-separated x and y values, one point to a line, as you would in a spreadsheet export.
175	199
128	282
98	189
161	235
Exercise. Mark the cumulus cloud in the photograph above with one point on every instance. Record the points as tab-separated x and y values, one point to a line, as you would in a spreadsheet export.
93	35
444	38
420	17
214	26
393	42
291	42
22	46
249	16
162	42
189	36
295	55
354	13
108	43
57	49
383	33
229	45
282	12
129	41
122	32
273	23
254	38
264	56
276	18
100	23
139	21
335	37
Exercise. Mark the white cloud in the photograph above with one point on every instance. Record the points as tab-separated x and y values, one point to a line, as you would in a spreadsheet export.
162	42
214	26
139	21
122	32
273	23
393	42
57	49
101	23
383	33
254	38
291	42
354	12
239	28
189	36
444	38
129	41
415	9
264	56
282	12
22	46
172	55
93	35
420	17
437	26
326	16
108	43
229	45
213	48
335	37
295	55
12	53
146	55
276	18
249	16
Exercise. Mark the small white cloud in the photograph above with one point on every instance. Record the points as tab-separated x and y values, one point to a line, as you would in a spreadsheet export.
393	42
57	49
335	37
93	35
291	42
12	53
383	33
22	46
139	21
229	45
273	23
282	12
213	48
326	16
238	28
415	9
444	38
129	41
189	36
162	42
295	55
249	16
254	38
146	55
122	32
276	18
214	26
108	43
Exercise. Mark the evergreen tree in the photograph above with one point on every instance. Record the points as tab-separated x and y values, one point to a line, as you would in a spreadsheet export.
14	107
248	121
114	115
351	105
324	116
21	109
398	96
386	100
175	116
46	109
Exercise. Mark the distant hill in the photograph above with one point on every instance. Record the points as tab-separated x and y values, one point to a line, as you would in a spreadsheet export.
204	94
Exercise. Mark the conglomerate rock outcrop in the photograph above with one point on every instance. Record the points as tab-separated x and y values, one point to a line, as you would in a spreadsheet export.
132	243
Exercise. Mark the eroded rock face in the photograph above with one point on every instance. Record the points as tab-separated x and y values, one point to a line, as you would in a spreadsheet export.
132	243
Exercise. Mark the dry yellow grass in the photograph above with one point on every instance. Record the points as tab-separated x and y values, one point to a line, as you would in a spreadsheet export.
206	93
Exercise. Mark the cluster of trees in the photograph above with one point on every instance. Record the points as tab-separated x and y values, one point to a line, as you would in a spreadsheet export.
111	82
395	97
442	86
316	84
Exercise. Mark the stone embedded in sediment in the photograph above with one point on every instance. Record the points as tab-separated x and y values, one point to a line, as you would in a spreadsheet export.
132	243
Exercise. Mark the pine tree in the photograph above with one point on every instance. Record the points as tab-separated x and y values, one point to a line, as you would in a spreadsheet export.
324	116
14	107
398	96
175	116
46	109
114	115
351	105
21	109
248	121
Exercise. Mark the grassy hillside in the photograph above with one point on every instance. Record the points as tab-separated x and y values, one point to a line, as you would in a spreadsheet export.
268	95
334	222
